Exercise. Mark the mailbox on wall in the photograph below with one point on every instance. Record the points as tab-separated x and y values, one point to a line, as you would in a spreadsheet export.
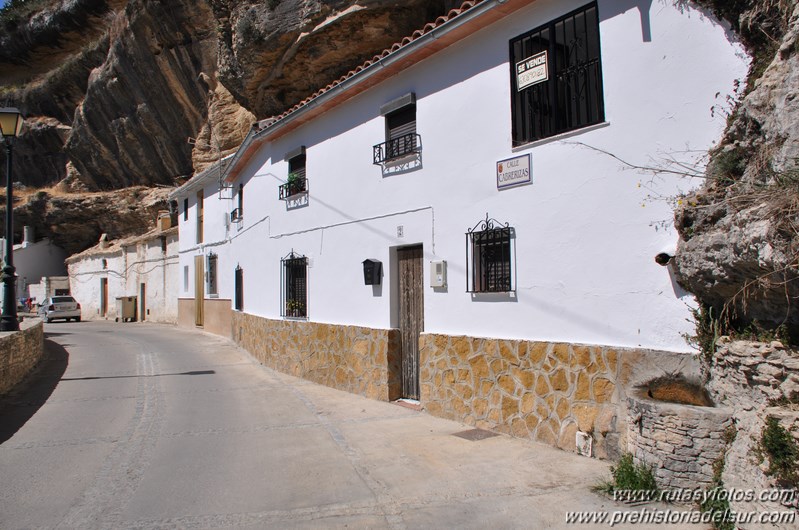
372	271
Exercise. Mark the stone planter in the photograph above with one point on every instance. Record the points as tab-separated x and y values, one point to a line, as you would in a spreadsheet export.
680	442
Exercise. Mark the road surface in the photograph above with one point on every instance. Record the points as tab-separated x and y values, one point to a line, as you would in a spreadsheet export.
147	426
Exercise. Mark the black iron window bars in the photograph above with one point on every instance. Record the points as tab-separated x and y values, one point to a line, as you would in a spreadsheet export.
294	271
489	258
570	96
396	148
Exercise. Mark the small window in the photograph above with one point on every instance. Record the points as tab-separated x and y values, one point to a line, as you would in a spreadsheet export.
294	269
212	283
163	245
296	180
401	138
200	216
556	77
238	287
489	255
185	209
105	263
238	213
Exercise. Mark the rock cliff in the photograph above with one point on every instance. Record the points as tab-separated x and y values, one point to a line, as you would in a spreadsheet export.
120	93
740	233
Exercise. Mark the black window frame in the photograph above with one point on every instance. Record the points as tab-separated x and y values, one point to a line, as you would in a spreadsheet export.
294	286
490	256
572	96
297	177
237	215
401	136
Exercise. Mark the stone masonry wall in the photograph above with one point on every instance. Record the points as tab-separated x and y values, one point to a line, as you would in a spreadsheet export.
537	390
679	442
19	353
756	380
359	360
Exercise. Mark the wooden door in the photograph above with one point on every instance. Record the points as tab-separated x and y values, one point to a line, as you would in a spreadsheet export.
199	289
103	296
142	304
411	316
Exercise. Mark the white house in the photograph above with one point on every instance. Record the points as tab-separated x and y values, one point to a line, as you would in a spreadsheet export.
143	270
34	260
482	170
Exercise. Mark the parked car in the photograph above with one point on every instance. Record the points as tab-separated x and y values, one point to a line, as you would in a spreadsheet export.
55	307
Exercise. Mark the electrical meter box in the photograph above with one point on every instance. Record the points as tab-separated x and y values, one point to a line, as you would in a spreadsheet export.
438	273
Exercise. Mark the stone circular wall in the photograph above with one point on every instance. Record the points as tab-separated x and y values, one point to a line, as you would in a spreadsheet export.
680	442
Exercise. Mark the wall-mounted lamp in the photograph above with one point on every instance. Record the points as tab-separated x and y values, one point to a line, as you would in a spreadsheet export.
372	271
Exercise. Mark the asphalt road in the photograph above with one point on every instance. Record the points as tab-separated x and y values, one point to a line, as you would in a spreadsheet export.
146	426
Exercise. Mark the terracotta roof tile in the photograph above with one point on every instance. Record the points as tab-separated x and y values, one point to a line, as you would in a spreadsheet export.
430	26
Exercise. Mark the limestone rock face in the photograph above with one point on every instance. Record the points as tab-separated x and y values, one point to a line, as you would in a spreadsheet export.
135	92
274	54
75	221
120	93
740	249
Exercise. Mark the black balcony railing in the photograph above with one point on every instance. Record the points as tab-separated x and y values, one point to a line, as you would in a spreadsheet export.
293	187
398	147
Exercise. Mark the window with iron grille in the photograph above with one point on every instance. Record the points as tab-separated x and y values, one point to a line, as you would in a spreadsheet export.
401	137
489	257
294	302
238	289
556	77
185	209
212	283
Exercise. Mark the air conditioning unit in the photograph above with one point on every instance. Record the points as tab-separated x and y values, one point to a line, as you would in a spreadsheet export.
438	273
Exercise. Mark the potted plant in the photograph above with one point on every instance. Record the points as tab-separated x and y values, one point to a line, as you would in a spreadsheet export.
295	184
295	308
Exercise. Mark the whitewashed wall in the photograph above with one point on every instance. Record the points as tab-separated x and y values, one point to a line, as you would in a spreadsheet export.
587	229
126	268
85	273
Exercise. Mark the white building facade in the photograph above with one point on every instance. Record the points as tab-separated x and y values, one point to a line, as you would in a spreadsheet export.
485	166
33	261
143	269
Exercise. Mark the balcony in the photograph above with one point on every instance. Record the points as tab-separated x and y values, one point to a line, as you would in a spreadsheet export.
236	215
397	148
295	185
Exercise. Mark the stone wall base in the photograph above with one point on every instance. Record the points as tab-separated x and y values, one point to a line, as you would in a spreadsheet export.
537	390
359	360
19	353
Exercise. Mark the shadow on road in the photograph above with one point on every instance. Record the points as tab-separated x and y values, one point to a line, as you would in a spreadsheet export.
89	378
24	400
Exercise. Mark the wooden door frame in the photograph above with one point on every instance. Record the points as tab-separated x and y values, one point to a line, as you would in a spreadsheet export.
199	290
103	297
142	303
410	386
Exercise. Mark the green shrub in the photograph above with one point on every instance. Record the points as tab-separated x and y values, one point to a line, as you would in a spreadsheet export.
629	477
782	451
